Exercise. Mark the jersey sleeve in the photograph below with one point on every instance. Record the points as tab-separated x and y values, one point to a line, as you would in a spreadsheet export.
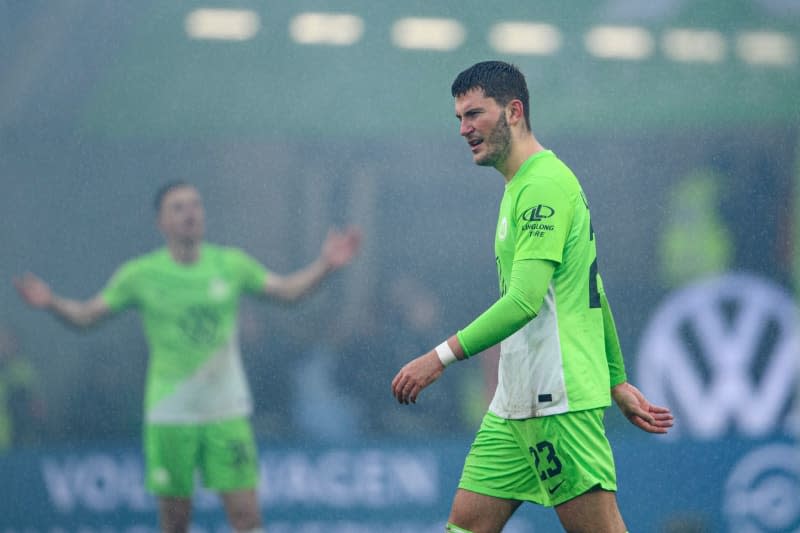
120	291
250	273
616	363
529	282
543	213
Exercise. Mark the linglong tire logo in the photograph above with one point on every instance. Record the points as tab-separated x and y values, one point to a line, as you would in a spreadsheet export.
723	354
762	494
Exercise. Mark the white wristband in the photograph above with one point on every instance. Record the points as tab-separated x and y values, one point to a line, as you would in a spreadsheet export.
445	353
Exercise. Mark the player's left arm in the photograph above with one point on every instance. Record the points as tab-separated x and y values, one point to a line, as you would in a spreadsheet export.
629	399
530	279
337	251
616	364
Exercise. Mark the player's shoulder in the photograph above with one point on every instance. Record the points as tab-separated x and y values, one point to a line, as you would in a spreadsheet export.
156	256
551	174
554	169
543	164
140	265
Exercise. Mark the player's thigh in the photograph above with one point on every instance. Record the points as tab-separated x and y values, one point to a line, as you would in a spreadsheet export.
594	511
171	453
480	513
229	458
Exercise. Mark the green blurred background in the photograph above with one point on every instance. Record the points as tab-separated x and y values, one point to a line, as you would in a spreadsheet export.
691	166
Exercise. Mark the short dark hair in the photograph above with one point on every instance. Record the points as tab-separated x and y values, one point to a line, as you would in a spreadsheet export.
166	189
499	80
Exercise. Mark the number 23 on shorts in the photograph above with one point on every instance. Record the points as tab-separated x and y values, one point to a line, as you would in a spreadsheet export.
546	462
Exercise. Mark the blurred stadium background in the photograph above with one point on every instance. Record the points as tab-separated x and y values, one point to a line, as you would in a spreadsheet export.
681	117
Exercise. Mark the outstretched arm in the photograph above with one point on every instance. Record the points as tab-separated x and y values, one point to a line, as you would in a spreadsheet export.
75	313
337	251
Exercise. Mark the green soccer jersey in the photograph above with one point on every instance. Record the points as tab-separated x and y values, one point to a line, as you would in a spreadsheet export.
189	314
556	363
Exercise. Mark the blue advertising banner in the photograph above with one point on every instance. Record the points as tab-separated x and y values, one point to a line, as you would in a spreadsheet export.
731	486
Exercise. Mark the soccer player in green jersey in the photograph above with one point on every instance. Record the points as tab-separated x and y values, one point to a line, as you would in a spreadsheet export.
542	439
197	399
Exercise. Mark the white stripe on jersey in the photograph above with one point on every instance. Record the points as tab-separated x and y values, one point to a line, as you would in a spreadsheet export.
531	372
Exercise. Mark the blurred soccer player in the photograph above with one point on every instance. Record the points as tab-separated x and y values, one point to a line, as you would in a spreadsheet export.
197	399
542	439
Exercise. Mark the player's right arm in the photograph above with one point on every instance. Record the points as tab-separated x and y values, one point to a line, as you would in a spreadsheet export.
530	279
75	313
338	250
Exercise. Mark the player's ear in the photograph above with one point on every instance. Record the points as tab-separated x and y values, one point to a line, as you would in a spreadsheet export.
514	112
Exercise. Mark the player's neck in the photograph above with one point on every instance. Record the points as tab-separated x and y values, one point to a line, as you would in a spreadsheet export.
184	252
521	151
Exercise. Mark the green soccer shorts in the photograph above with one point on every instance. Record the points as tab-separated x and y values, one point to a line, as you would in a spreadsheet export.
223	452
546	460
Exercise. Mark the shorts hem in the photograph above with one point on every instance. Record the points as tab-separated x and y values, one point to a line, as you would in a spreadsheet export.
581	490
159	493
250	486
499	493
166	493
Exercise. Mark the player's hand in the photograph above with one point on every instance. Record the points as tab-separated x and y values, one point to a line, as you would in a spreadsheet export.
34	291
340	247
415	376
639	411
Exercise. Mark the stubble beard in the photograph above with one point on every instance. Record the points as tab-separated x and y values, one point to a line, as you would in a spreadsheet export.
499	144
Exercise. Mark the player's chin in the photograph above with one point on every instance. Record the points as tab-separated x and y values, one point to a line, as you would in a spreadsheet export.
481	159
